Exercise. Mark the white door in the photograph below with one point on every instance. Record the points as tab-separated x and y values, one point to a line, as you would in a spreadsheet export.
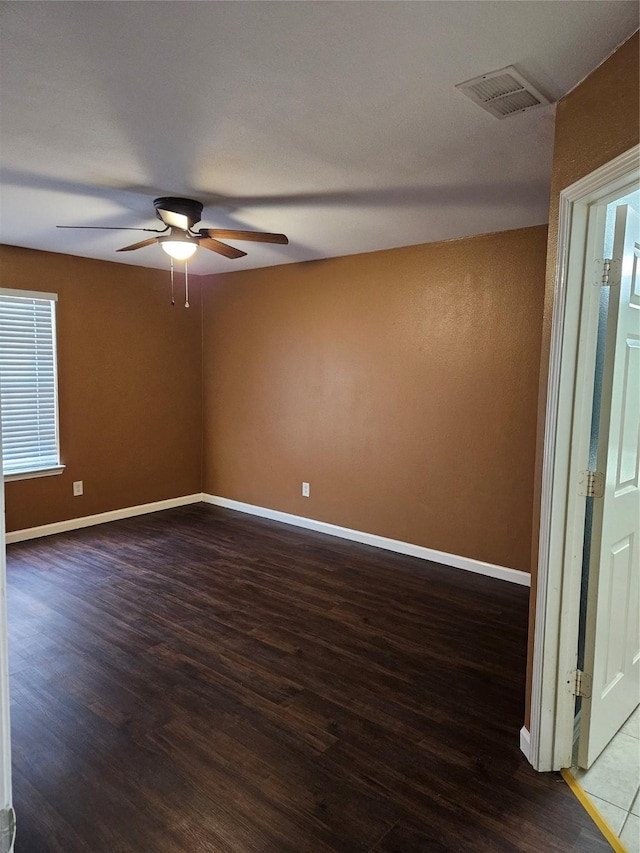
612	645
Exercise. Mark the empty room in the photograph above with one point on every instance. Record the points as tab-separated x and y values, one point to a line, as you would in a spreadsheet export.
319	370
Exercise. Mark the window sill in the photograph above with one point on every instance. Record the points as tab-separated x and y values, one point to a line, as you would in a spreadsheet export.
30	475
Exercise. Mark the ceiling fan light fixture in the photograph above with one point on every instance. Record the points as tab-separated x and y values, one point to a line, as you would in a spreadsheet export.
180	250
179	241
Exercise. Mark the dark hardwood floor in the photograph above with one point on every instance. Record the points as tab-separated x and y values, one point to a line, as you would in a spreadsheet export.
199	680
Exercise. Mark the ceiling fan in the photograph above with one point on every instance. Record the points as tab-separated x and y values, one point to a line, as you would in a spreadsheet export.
179	239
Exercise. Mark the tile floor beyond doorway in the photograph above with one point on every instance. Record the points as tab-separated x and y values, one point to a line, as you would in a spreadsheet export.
613	783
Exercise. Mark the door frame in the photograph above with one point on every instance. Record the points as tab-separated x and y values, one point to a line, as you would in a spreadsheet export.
569	389
5	728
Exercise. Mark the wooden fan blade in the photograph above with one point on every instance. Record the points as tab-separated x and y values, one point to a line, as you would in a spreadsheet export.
252	236
140	245
221	248
114	228
173	219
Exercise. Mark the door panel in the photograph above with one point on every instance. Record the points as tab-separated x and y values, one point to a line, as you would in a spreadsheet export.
629	451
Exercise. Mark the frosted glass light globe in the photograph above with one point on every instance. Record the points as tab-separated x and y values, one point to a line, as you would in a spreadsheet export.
179	249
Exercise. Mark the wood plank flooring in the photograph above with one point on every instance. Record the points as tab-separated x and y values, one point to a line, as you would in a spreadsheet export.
198	680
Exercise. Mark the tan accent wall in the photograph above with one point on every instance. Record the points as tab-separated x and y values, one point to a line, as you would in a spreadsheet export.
129	387
401	384
595	123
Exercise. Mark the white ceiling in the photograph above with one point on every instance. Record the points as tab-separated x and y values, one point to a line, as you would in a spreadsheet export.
335	122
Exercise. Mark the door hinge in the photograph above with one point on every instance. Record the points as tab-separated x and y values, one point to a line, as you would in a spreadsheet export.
579	683
591	484
607	272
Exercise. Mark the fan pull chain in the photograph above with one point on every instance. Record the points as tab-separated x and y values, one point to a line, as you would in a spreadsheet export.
173	300
186	284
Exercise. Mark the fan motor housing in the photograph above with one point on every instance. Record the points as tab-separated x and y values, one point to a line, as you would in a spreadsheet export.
185	206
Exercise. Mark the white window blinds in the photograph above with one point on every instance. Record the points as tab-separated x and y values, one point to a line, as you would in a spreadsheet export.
28	381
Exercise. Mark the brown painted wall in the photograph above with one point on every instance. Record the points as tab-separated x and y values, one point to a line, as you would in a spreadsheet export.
129	387
401	384
583	143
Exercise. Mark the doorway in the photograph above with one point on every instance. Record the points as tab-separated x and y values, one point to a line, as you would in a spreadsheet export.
609	602
569	481
607	723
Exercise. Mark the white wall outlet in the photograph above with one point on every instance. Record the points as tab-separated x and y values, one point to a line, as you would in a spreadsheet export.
77	488
305	490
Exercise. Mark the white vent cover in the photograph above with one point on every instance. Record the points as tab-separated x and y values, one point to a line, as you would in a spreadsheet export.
503	92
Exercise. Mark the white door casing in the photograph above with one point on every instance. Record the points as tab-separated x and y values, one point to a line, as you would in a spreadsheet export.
612	642
7	817
5	742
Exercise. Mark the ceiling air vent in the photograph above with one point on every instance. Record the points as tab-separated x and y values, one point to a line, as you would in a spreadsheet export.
503	92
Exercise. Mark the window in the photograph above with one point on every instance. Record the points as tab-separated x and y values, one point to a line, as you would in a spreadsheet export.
28	384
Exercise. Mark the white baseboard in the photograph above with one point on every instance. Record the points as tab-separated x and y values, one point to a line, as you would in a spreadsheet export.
7	829
466	563
100	518
399	547
525	742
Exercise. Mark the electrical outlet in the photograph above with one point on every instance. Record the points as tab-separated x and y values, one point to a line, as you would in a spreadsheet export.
77	488
305	490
